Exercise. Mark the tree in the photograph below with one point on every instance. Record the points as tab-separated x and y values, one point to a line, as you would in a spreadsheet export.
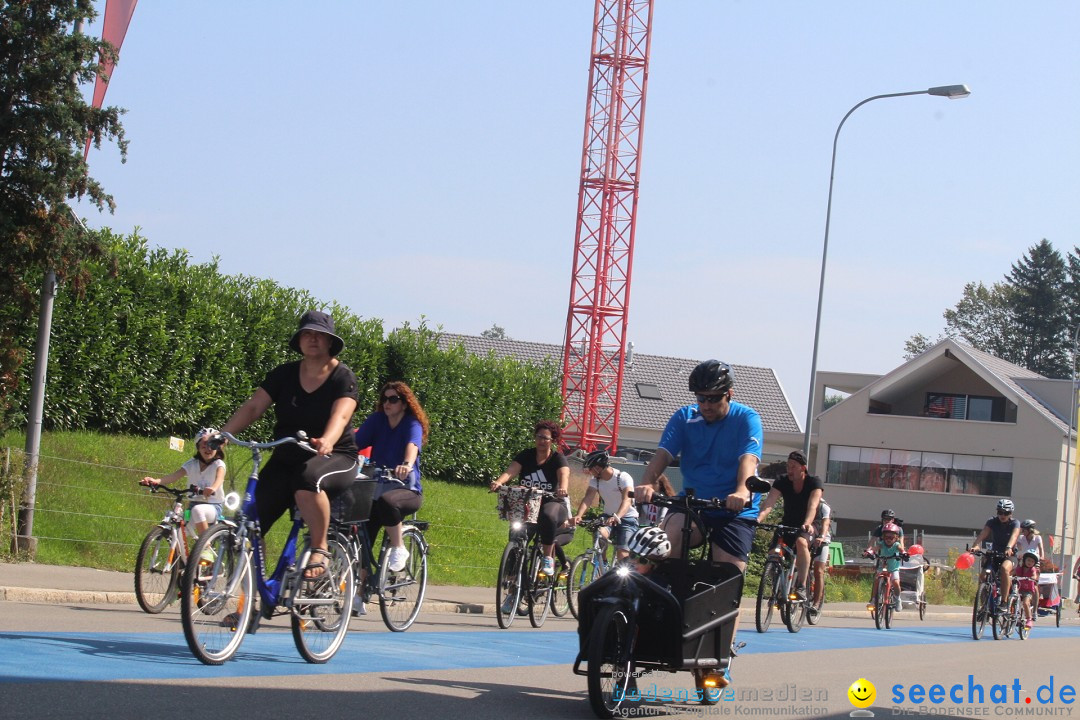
44	124
495	332
1039	311
983	319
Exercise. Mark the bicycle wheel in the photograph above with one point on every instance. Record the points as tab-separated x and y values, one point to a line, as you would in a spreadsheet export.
766	595
813	609
794	610
610	660
881	594
1009	619
539	589
321	608
508	587
980	611
401	592
890	609
922	609
996	615
560	594
1022	629
218	596
157	571
582	572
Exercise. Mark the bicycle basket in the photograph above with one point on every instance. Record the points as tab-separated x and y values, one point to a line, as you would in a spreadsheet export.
519	504
354	503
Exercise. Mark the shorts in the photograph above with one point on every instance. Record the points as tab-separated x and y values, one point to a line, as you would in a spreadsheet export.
623	532
791	536
822	555
732	534
203	512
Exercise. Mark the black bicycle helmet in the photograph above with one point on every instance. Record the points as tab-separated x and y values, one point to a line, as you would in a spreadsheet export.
597	458
887	515
1027	524
711	376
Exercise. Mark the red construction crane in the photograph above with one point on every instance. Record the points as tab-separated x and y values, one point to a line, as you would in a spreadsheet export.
595	338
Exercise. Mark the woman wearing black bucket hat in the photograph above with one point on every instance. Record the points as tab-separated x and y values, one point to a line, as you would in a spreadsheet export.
316	394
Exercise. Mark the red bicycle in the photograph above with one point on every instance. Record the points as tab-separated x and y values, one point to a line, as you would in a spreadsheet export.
882	606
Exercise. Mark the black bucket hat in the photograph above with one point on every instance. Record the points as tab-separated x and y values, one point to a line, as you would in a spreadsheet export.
319	322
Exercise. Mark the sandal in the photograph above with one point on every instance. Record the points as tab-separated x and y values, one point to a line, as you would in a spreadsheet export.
321	566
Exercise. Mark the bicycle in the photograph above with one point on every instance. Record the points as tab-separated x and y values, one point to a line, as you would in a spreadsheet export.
813	609
520	569
163	554
883	607
218	601
591	564
988	595
680	616
400	592
776	590
1012	618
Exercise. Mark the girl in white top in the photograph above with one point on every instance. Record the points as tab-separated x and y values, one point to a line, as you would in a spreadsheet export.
613	487
1030	539
206	471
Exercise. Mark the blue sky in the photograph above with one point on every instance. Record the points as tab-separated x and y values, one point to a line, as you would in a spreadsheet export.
421	158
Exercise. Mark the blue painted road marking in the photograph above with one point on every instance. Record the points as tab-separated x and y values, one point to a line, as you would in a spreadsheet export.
160	656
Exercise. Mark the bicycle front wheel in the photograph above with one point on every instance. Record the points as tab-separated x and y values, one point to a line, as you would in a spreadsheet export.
321	608
881	595
766	595
401	592
508	587
813	609
980	611
610	660
218	596
157	570
560	593
582	572
539	589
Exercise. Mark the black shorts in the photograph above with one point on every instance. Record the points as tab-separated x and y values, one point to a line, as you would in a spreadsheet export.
281	478
732	534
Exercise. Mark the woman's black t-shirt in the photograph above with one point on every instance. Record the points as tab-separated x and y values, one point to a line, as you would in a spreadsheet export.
296	409
546	476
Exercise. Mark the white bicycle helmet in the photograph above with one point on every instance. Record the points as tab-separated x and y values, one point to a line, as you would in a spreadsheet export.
650	542
1034	555
1005	505
206	432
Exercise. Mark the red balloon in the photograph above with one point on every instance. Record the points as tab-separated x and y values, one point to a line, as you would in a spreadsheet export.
965	561
915	549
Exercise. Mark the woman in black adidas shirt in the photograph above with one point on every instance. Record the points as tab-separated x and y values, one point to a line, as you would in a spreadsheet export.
545	468
316	394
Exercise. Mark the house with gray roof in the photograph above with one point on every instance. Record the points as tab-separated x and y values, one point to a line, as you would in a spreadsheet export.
654	386
942	437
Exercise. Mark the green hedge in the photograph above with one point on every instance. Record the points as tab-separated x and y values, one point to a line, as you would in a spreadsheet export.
158	345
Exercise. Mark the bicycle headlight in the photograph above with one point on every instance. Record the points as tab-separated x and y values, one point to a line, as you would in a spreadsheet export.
516	525
622	571
232	501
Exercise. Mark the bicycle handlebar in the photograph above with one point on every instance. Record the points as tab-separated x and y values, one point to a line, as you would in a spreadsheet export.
778	528
686	502
189	491
301	439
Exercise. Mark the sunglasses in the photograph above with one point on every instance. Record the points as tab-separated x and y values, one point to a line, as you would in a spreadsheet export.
709	399
391	399
1002	513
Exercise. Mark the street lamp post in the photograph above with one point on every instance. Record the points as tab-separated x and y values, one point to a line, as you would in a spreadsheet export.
1068	463
953	92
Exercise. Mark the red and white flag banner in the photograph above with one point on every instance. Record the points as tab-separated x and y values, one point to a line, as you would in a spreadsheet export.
117	17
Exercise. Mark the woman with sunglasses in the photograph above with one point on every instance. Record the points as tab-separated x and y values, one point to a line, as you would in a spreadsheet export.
546	468
395	432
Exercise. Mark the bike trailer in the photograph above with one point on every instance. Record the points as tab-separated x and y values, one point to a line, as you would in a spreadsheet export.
912	590
685	619
1049	590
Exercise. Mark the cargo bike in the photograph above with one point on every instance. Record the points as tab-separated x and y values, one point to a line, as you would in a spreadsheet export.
680	616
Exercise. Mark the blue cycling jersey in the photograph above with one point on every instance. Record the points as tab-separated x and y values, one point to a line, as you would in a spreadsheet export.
710	452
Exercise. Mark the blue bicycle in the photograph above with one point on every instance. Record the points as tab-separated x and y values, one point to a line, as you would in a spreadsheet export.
218	600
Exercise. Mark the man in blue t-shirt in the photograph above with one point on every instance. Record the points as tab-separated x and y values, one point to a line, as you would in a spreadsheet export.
719	445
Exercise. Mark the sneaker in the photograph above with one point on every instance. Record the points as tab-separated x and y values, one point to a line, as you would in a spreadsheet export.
800	593
507	607
1029	623
359	608
548	567
725	678
398	557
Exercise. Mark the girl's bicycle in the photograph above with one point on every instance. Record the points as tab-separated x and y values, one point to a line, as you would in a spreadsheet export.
163	554
884	604
520	576
591	564
400	593
776	590
218	600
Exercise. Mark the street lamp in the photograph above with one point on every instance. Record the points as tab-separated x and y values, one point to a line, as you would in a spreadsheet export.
1068	459
953	92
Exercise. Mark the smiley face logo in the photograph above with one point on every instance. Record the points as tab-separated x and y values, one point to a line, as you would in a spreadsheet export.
862	693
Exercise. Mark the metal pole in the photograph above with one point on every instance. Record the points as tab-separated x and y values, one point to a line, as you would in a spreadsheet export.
949	91
1065	575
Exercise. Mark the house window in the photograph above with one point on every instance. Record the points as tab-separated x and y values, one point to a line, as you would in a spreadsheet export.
922	471
967	407
648	391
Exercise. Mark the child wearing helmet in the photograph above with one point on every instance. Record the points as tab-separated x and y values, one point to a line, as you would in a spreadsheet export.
614	488
887	516
889	549
648	546
206	471
1027	578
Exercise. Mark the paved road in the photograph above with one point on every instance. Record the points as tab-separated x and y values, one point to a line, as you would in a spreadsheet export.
113	661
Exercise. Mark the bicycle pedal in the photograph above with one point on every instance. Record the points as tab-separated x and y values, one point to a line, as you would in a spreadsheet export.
736	647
